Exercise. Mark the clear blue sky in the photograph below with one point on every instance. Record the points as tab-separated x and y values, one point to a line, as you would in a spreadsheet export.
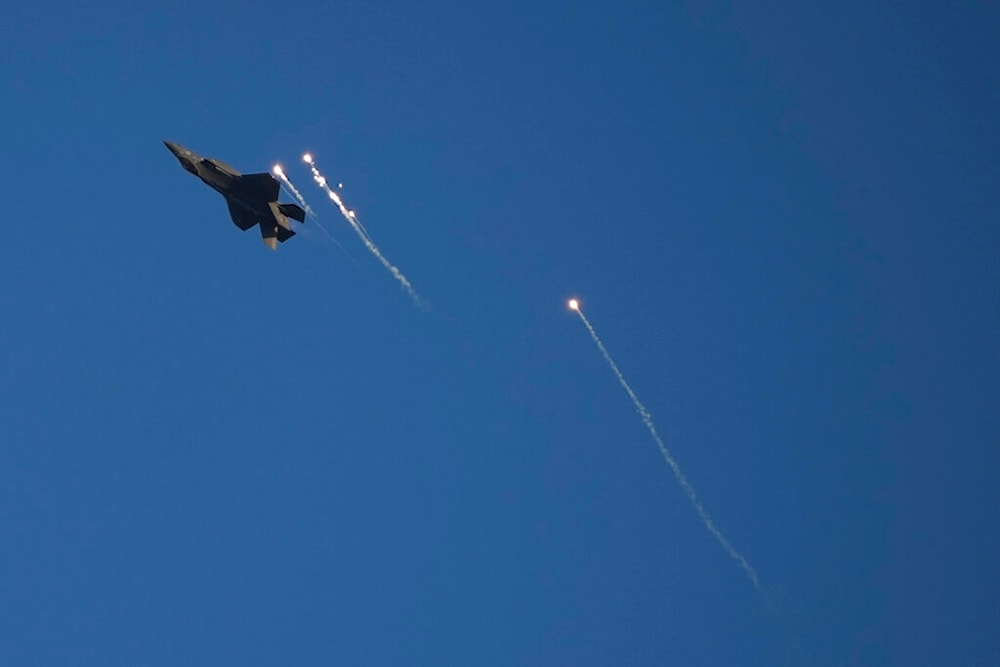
782	221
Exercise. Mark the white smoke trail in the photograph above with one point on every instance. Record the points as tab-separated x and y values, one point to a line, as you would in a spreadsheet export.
360	226
294	192
352	214
280	173
667	456
349	216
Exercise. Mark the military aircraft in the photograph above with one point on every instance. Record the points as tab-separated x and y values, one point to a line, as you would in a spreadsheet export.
252	198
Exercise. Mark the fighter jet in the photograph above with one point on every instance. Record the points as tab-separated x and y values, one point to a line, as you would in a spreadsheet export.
252	198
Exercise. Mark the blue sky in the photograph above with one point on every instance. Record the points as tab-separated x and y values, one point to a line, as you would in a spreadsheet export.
781	220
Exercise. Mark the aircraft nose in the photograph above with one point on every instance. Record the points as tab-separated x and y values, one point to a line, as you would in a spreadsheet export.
173	148
183	155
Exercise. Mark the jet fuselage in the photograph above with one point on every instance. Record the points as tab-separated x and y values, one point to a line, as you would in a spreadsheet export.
252	198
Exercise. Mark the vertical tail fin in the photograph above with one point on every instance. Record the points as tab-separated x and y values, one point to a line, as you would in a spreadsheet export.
269	234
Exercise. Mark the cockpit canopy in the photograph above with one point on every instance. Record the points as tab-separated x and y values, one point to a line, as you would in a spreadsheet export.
221	166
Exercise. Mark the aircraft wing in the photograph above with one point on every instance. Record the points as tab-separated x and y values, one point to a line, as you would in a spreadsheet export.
260	187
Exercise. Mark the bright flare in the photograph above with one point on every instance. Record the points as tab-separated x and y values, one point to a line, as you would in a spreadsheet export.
682	479
307	158
295	191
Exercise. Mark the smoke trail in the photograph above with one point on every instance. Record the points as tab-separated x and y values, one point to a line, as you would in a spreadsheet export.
349	216
360	226
294	192
667	456
280	173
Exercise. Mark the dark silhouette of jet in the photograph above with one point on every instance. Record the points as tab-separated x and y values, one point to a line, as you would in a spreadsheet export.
252	198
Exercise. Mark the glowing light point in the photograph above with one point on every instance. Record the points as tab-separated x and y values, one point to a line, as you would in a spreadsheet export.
340	185
277	170
574	304
307	158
